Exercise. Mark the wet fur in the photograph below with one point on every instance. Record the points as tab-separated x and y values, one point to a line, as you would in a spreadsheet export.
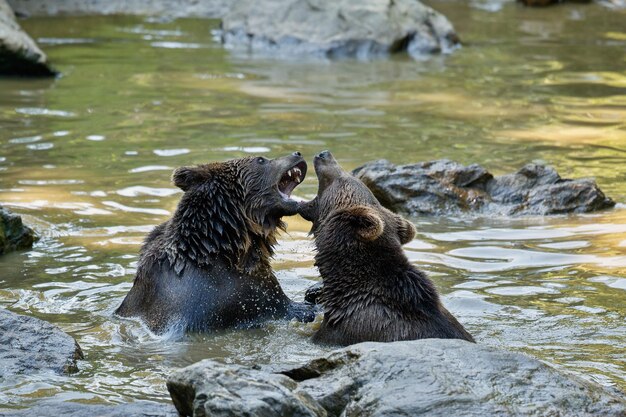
370	292
208	267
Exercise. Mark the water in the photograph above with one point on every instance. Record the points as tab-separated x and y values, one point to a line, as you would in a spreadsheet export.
87	159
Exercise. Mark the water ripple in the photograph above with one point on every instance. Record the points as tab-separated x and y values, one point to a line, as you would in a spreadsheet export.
151	168
138	190
129	209
38	111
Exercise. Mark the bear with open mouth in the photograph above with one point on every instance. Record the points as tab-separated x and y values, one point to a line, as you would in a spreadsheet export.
370	290
208	266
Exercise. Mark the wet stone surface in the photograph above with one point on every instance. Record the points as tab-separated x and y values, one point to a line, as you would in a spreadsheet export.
447	187
29	345
426	377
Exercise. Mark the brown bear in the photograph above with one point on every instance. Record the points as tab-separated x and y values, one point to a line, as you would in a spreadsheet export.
208	267
370	290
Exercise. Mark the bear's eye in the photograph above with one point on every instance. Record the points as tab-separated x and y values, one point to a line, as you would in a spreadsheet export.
261	161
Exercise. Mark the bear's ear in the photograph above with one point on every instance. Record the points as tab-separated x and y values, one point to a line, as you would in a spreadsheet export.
185	177
365	221
406	230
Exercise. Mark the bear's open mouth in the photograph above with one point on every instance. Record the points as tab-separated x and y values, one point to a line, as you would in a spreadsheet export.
291	178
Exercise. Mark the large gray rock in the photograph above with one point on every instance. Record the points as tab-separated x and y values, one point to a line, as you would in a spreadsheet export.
337	28
444	187
14	235
29	345
74	409
19	54
431	377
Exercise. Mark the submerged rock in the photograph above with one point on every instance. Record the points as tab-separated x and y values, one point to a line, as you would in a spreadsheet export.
14	235
29	345
19	54
74	409
431	377
338	28
444	187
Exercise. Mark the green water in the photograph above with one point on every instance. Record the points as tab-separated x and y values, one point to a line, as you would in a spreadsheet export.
86	159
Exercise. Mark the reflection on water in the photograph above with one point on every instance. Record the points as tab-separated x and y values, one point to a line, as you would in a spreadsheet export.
87	160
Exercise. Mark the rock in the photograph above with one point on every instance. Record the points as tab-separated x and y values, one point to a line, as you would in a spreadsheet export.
338	28
13	234
161	8
29	345
19	54
433	377
74	409
447	187
209	388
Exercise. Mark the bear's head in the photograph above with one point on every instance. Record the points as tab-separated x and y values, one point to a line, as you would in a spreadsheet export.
345	212
231	207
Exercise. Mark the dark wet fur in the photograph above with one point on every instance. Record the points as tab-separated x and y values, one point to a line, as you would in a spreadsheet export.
208	267
370	290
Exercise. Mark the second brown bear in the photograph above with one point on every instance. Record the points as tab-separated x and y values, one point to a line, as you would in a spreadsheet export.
371	291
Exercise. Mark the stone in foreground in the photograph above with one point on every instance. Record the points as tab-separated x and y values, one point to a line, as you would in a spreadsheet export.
338	28
29	345
447	187
19	54
14	235
209	388
431	377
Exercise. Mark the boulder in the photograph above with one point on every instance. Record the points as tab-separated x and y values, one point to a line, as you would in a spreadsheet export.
210	388
447	187
433	377
337	28
19	54
75	409
14	235
29	345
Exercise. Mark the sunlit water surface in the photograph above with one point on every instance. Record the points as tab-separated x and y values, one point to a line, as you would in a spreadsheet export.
87	159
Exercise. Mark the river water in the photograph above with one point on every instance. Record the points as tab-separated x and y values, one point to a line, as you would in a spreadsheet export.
87	159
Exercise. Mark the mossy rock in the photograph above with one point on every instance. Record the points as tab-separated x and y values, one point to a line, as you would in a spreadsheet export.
14	235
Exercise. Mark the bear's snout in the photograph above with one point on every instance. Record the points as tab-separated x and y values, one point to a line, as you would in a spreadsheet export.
324	155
